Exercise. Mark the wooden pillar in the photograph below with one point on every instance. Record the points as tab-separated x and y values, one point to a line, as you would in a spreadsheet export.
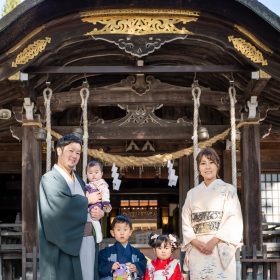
31	174
251	185
31	170
185	183
227	166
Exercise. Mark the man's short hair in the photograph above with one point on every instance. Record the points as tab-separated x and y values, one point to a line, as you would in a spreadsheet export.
121	219
68	139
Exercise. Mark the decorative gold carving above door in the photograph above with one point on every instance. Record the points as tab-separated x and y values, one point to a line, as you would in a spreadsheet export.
139	31
31	51
248	50
139	21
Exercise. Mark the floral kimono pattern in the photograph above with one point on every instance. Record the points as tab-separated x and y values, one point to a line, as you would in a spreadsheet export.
212	211
163	270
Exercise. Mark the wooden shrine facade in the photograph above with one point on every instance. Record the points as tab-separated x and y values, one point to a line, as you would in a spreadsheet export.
140	60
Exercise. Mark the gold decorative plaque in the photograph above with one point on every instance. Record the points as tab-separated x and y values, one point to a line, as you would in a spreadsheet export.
15	77
31	51
248	50
139	22
253	38
264	75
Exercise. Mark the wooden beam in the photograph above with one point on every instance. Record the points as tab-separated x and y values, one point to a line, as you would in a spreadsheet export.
108	97
136	69
256	86
149	133
114	132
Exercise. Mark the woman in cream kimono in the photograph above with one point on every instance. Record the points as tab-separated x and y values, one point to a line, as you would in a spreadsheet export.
211	223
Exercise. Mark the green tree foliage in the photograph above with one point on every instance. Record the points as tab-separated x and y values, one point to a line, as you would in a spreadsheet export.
9	5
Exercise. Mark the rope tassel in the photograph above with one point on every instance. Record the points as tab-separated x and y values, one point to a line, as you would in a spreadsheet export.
196	92
232	96
47	93
84	93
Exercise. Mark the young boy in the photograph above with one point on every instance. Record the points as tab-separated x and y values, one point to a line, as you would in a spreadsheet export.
111	259
97	184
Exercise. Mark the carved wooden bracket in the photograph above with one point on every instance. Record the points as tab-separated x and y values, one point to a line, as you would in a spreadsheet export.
143	115
28	116
16	132
252	106
141	85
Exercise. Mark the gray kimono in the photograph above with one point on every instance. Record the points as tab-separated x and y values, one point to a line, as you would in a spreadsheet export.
62	214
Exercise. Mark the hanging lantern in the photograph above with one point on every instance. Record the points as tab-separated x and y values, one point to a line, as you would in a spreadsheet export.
5	114
202	133
40	133
78	131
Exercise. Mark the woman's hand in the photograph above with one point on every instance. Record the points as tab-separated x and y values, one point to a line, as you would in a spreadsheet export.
212	243
96	213
201	246
93	197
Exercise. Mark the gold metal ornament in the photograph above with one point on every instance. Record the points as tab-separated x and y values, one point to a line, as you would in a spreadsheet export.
15	77
248	50
31	51
78	131
253	38
139	22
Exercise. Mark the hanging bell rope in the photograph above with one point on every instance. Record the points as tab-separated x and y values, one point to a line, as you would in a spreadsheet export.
84	93
196	92
232	96
47	93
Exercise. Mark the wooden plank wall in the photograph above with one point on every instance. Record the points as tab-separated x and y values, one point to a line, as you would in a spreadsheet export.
10	158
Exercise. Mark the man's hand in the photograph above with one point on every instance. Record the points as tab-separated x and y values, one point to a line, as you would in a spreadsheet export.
93	197
96	213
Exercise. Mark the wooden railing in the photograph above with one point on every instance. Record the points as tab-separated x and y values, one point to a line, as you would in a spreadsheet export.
30	264
260	264
10	249
256	264
271	232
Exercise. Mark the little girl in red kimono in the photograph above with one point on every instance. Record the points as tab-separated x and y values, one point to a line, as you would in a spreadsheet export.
163	267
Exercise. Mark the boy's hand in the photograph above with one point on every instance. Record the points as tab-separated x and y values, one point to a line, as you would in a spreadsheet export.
131	267
115	265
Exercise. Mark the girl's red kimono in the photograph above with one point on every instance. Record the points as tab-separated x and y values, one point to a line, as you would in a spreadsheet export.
163	270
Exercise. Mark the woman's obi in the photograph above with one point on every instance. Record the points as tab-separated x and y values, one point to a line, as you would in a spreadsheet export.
206	222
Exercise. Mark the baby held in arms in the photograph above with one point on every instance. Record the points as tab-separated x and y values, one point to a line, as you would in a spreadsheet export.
97	184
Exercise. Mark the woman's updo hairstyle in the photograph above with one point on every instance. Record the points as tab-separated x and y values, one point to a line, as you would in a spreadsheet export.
155	240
